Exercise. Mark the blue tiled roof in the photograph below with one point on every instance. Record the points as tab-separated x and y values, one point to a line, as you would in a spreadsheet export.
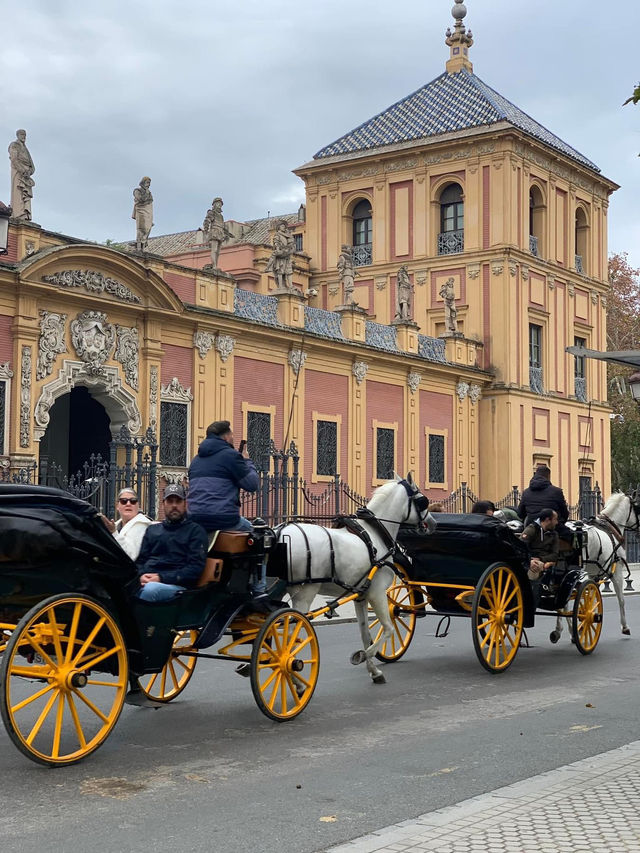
449	103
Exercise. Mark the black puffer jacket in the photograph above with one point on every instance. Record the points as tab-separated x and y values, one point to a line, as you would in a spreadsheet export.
175	550
540	495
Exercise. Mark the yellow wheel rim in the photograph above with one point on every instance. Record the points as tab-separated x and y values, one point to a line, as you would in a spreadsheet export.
401	598
285	662
497	616
170	682
64	679
587	617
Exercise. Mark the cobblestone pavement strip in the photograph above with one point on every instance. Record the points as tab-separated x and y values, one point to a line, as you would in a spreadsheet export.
586	807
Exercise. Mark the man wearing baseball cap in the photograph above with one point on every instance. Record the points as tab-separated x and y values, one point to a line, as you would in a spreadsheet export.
173	553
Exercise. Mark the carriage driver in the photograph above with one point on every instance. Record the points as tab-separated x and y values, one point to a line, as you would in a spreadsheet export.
543	542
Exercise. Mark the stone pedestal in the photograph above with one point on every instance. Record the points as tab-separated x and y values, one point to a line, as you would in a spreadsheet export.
353	321
407	335
215	289
461	350
290	307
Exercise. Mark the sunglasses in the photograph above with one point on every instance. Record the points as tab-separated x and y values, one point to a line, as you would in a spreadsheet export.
124	501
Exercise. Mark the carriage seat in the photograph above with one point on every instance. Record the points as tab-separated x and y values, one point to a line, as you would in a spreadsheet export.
229	542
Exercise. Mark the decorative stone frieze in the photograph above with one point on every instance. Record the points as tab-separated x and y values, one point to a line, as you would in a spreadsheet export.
25	397
524	272
413	381
203	342
462	390
51	342
5	371
153	398
474	393
127	350
175	393
297	359
473	271
93	282
224	345
359	370
497	267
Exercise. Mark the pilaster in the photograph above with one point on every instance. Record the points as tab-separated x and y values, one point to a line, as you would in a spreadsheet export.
290	307
353	322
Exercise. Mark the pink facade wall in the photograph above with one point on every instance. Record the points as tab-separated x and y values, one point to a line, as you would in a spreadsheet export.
436	411
178	362
259	383
394	189
182	285
6	340
385	403
486	207
12	247
328	394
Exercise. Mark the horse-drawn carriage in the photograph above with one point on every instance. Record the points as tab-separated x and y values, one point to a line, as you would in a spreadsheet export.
76	638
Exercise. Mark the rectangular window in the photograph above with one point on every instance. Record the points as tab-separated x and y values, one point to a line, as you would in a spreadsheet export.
436	459
580	359
326	448
174	434
298	241
259	439
4	405
385	453
535	345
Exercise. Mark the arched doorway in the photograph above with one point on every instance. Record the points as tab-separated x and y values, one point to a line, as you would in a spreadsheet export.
78	427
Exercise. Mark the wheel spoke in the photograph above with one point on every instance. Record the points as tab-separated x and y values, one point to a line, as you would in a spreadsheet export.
92	635
152	682
55	633
92	662
38	648
268	681
302	645
173	675
90	705
76	721
34	672
55	752
293	637
73	632
43	716
274	694
30	699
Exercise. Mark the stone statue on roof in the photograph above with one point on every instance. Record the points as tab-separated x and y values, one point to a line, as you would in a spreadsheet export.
403	295
143	213
281	261
347	274
22	183
215	234
448	295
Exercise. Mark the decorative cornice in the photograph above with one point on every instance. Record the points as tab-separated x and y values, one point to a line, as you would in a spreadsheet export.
93	282
5	371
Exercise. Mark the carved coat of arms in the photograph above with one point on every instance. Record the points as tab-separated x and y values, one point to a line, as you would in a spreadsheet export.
93	339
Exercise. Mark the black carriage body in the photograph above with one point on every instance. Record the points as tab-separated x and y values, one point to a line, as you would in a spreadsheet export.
459	552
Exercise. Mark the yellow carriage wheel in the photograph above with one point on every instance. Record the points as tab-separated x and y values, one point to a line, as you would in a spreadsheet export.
285	661
402	600
587	617
63	679
497	617
165	685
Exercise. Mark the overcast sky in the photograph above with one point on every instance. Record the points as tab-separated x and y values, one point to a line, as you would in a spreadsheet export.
213	98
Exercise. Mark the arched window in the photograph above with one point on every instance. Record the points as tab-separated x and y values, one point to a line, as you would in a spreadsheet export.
536	221
582	233
362	233
451	237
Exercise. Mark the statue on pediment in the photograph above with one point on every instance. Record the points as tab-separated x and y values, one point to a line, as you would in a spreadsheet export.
215	234
448	294
143	213
347	273
22	183
403	295
281	261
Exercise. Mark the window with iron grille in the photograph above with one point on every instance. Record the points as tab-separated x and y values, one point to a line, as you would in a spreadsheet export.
259	439
326	448
3	416
436	459
297	238
174	434
385	453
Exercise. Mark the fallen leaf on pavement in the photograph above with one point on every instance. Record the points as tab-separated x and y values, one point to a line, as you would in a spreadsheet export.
329	819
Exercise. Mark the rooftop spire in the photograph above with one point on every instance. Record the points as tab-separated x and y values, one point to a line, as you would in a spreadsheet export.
460	40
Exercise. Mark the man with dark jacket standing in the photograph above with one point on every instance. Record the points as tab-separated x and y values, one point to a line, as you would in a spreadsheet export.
540	495
173	553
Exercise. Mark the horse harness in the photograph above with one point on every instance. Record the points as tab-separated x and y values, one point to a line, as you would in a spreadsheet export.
605	524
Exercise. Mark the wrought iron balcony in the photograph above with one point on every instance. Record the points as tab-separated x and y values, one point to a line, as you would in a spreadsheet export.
535	380
579	264
533	245
363	255
450	242
581	388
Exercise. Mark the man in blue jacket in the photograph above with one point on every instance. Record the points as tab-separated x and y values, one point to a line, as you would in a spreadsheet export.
173	553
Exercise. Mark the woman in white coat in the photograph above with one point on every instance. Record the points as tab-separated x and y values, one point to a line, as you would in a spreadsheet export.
130	528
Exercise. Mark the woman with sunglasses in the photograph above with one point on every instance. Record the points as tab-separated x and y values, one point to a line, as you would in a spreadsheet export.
130	528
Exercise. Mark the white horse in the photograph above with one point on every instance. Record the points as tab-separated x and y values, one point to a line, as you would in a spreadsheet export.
337	562
603	547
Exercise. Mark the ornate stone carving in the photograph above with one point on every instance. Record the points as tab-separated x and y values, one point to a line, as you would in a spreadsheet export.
421	277
225	345
594	297
603	301
413	381
473	271
448	295
474	393
551	282
297	359
347	274
5	371
380	282
22	183
359	370
513	269
106	388
29	248
404	289
571	290
93	339
143	213
175	393
127	353
25	397
334	289
497	267
203	342
153	398
524	272
51	342
93	282
462	389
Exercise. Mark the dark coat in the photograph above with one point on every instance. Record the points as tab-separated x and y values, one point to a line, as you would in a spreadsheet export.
176	551
540	495
545	545
216	475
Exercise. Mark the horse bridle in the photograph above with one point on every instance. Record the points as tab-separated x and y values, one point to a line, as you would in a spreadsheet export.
415	499
635	506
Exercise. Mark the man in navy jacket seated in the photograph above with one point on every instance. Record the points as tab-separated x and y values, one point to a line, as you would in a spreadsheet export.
173	553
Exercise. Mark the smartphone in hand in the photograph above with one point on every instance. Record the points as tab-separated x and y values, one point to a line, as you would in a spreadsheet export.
242	445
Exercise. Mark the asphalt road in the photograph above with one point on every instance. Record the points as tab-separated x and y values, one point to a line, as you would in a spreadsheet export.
210	773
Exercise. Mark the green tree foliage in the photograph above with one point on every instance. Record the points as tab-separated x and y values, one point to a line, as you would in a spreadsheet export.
634	98
623	333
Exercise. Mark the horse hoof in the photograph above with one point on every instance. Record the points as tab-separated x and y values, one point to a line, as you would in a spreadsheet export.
358	657
626	632
379	679
554	636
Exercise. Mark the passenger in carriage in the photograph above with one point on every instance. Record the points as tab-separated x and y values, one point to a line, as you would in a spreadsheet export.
542	494
173	553
543	542
483	508
130	528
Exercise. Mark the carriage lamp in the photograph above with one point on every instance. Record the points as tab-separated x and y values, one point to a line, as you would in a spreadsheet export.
634	385
5	213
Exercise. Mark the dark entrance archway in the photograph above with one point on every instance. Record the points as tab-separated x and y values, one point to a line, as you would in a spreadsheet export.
78	427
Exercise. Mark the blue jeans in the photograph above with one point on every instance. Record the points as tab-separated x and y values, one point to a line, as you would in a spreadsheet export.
154	591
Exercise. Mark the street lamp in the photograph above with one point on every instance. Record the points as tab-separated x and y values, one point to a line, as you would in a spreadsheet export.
634	385
5	213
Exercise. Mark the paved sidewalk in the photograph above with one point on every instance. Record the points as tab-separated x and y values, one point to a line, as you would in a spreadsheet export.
586	807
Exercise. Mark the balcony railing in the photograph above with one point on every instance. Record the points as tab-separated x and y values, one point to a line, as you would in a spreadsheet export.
362	255
581	388
533	245
579	264
451	242
535	380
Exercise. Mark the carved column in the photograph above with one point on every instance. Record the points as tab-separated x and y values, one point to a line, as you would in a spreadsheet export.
358	428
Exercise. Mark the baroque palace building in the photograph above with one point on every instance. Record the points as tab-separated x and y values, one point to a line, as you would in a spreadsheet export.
453	183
